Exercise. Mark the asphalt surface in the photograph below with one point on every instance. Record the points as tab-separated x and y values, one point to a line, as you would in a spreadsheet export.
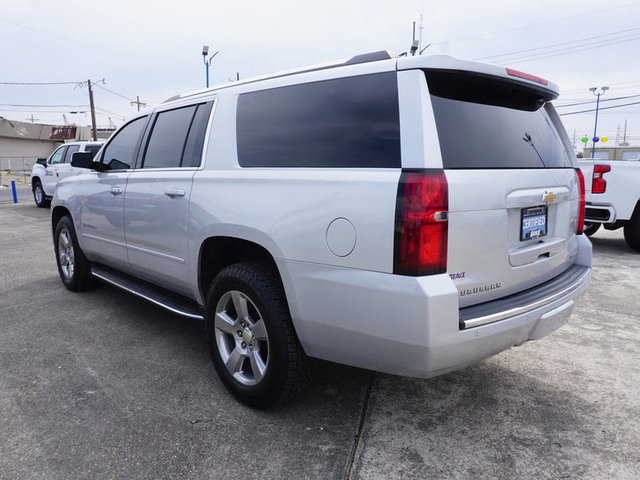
103	385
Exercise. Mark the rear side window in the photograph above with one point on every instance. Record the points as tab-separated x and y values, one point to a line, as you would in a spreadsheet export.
346	122
120	153
70	151
93	148
488	122
193	149
177	137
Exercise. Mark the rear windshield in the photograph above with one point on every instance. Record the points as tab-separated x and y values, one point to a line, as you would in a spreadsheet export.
487	122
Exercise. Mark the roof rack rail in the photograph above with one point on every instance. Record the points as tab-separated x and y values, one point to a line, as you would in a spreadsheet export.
362	58
368	57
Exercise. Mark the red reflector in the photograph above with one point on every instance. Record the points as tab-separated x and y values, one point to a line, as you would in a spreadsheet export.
421	224
581	205
526	76
599	184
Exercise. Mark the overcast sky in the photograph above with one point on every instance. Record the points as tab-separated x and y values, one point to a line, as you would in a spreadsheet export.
152	49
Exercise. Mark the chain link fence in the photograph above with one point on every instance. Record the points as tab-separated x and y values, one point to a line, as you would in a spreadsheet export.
17	169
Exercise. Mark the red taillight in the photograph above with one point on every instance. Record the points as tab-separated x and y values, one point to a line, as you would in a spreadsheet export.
580	226
526	76
599	184
421	223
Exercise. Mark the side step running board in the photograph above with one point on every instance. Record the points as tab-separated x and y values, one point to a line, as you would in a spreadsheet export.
161	297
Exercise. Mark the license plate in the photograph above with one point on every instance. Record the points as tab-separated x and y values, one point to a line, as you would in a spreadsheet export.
534	223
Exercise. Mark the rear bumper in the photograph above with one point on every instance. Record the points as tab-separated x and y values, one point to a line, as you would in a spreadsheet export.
599	213
575	278
411	325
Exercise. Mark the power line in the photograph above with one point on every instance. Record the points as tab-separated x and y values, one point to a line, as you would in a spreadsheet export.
111	113
37	105
39	83
111	91
41	111
610	84
560	44
557	20
601	108
567	51
601	101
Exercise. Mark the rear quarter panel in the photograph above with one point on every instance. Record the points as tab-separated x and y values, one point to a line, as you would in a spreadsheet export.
290	211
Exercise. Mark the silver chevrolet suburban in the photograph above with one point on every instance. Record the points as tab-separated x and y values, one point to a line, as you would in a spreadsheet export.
406	215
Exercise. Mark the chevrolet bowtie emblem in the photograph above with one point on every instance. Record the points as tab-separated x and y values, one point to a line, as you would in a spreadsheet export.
549	197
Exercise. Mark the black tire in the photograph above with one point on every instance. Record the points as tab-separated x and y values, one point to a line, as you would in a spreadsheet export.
590	228
632	233
73	266
257	288
39	196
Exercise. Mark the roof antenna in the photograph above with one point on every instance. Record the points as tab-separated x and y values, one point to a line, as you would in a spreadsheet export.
420	36
414	43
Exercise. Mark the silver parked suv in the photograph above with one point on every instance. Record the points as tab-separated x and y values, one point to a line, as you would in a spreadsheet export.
406	215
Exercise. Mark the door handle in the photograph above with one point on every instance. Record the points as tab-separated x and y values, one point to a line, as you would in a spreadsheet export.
116	190
175	192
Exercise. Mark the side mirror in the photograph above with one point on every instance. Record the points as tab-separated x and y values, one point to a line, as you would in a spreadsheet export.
83	160
42	161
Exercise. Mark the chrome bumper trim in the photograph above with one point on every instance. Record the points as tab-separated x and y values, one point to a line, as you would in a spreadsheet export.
570	281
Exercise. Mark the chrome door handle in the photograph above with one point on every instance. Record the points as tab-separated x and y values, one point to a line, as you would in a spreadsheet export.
175	192
116	190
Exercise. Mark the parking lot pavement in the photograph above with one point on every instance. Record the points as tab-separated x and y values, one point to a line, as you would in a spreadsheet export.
564	407
104	385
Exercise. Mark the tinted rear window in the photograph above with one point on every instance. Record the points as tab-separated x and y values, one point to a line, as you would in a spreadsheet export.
346	122
93	148
487	122
168	138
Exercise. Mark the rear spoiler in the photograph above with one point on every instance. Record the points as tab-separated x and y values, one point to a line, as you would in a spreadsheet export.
445	62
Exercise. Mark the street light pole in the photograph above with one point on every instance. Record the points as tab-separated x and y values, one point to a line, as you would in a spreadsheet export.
597	92
205	52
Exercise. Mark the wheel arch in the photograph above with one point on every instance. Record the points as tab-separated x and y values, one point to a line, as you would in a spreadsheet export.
218	252
636	211
56	214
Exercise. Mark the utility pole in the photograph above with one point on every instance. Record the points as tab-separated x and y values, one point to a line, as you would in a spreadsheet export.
138	103
93	112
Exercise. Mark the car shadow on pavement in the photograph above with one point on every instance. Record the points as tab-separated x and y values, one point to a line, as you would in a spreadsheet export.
602	244
489	421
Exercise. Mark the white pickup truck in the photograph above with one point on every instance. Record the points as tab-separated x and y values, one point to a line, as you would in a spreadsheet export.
46	173
613	197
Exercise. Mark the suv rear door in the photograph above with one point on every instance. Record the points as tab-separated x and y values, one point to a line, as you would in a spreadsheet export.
513	188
